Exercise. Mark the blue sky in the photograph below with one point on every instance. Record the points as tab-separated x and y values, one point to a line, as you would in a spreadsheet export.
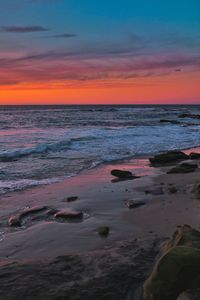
97	40
103	21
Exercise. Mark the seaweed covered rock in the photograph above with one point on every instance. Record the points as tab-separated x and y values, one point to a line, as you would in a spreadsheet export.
122	174
168	157
178	269
183	168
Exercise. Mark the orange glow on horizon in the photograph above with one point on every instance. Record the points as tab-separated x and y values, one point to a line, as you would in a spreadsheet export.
171	89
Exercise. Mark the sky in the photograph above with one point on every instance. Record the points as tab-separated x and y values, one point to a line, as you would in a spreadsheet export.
102	51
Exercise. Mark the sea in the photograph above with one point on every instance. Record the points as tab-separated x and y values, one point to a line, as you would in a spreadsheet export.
45	144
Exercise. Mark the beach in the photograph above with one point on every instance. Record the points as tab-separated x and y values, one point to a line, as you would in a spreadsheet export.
87	202
99	150
103	201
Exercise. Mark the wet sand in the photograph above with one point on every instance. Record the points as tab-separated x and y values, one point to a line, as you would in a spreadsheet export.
103	203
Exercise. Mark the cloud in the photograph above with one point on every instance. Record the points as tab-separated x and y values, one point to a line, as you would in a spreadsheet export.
64	35
103	62
22	29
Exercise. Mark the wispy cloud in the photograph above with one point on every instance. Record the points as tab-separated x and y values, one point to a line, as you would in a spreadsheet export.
64	35
22	29
65	69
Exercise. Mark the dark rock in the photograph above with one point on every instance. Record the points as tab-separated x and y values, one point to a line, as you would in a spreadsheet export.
52	212
106	274
196	190
123	174
67	214
157	191
178	269
147	192
168	157
191	116
71	199
169	121
194	155
104	231
14	221
173	190
183	168
7	159
135	203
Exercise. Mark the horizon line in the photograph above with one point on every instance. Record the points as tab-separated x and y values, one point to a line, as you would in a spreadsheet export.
100	104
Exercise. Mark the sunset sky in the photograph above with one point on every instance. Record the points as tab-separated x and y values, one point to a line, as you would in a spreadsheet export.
99	51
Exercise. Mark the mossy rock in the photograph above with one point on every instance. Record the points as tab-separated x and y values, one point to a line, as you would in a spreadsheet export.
168	157
104	231
190	295
194	155
184	236
183	168
179	267
176	271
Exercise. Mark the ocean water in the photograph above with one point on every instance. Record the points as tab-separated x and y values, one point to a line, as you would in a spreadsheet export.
44	144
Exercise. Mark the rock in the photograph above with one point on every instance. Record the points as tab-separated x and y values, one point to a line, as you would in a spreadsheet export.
183	168
52	212
67	214
7	159
104	231
190	295
32	210
183	236
14	221
17	220
191	116
169	121
106	274
157	191
72	198
194	155
178	269
135	203
196	190
123	174
168	157
173	190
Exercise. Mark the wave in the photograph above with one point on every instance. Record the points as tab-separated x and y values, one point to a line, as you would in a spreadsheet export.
41	148
17	185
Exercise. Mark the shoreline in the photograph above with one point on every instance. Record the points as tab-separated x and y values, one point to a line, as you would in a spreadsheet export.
103	203
71	258
84	171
